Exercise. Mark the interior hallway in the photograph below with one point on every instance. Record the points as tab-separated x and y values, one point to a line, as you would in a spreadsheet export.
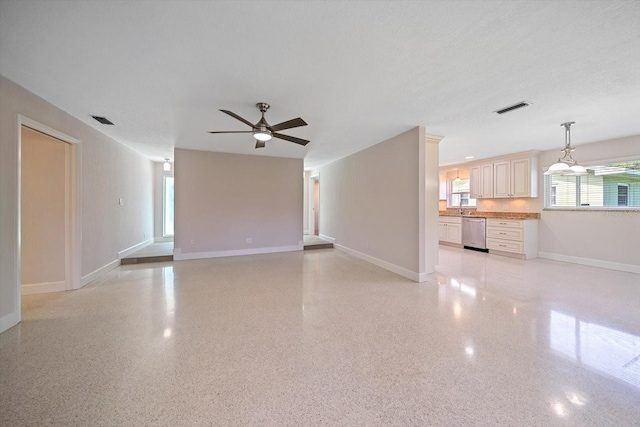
322	338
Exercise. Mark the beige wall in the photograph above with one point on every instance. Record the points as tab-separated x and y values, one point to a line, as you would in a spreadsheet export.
371	203
222	199
610	237
42	250
108	171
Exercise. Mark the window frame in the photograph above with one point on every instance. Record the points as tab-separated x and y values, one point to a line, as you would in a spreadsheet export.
451	193
626	195
577	207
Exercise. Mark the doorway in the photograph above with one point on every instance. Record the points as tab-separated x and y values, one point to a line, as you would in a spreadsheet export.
48	260
44	197
316	205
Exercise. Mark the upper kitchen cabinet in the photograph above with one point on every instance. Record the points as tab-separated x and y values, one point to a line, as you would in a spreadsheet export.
515	177
481	185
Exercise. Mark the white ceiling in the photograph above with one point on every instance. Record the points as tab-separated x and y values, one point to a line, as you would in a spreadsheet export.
357	72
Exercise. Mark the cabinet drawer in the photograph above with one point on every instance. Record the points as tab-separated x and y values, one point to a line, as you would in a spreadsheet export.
451	219
505	245
497	222
505	233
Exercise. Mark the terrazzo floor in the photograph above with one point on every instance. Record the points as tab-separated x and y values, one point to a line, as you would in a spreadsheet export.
322	338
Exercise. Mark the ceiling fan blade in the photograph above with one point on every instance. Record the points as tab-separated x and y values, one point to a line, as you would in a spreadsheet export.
293	123
233	131
260	144
290	138
237	117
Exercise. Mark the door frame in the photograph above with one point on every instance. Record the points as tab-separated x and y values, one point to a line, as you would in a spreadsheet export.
73	231
312	191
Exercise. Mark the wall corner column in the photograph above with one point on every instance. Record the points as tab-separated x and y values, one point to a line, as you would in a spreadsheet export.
428	197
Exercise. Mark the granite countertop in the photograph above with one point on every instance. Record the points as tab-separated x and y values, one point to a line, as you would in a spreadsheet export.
503	215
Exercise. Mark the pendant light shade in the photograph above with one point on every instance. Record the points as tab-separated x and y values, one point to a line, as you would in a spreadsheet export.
566	165
166	166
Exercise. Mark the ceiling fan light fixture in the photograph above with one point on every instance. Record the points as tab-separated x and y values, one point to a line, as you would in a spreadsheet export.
262	135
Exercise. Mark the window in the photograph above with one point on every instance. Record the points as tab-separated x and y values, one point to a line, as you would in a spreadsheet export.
610	185
623	194
167	203
459	195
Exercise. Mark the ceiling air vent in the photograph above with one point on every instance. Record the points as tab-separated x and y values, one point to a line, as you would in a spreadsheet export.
103	120
513	107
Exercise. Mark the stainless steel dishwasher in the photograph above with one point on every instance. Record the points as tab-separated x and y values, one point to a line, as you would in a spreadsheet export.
474	233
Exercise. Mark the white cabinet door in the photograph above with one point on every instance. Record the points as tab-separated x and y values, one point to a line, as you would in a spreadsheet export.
502	179
442	232
454	233
486	181
481	181
520	178
475	184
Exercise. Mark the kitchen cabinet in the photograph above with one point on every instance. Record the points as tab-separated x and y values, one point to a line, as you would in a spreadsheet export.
481	181
513	237
450	229
515	178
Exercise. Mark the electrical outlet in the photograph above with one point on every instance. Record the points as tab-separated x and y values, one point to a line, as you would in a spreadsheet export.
193	241
249	240
144	234
526	206
121	201
505	207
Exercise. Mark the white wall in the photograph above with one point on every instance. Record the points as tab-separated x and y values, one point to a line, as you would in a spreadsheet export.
108	171
602	238
373	203
223	199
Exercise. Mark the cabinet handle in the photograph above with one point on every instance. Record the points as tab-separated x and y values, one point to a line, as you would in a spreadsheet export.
504	234
503	246
503	223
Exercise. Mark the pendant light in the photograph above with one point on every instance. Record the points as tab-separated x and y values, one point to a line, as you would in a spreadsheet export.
457	176
166	166
566	165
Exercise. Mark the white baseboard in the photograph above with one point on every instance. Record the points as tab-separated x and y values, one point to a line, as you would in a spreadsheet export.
9	321
630	268
162	239
99	272
306	232
132	249
179	256
416	277
42	288
331	239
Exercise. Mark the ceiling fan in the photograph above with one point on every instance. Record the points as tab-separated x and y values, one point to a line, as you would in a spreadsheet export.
263	132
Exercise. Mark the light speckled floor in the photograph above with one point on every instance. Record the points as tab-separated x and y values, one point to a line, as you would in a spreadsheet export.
321	338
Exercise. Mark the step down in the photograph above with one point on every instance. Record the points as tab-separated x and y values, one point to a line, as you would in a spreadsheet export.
147	259
319	246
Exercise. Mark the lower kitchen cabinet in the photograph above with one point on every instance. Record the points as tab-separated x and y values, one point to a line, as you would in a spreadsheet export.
450	229
514	237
